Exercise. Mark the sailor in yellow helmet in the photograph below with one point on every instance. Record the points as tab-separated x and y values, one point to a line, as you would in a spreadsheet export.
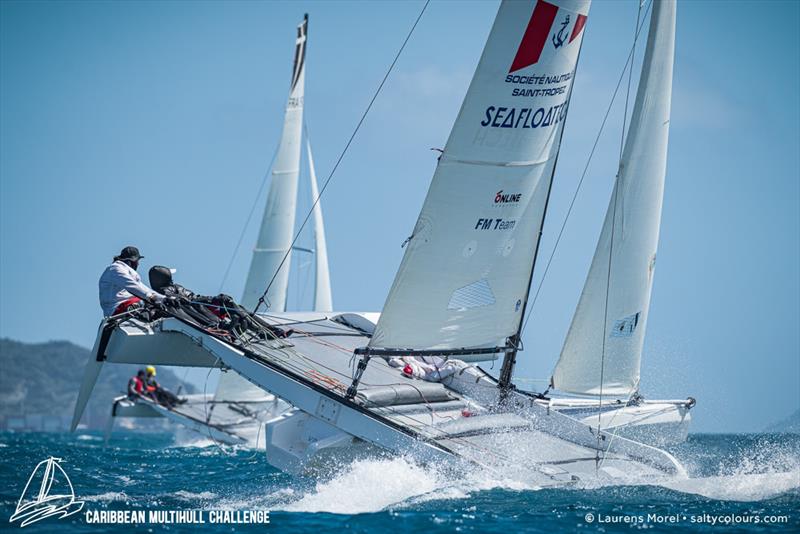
162	395
151	386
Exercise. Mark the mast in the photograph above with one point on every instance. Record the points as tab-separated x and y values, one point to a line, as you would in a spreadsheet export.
510	358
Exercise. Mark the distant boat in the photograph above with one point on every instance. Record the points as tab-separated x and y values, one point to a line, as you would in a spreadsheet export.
48	493
237	411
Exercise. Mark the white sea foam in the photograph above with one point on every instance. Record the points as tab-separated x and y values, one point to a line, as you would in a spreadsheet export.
368	486
191	496
126	480
760	472
372	485
192	440
106	497
746	488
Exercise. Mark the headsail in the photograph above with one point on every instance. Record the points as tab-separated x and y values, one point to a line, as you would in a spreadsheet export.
277	226
463	280
633	218
323	301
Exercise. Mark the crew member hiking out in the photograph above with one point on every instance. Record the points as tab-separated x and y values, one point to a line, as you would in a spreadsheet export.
160	394
121	286
136	385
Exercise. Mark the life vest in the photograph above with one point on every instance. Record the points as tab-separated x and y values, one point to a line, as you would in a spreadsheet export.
125	304
151	386
138	385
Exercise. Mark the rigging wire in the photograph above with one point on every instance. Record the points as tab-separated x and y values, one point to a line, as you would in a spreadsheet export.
207	415
219	445
341	156
249	217
580	182
617	188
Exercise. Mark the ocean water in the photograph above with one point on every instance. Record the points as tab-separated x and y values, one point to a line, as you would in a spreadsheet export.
738	483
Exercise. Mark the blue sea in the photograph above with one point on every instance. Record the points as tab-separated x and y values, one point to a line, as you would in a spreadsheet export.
738	483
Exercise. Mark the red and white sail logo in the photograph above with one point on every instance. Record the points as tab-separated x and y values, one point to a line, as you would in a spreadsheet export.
537	32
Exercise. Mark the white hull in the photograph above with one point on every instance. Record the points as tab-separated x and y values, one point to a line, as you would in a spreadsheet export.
657	423
228	423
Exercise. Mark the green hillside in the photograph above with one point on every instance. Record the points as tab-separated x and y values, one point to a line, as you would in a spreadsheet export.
39	383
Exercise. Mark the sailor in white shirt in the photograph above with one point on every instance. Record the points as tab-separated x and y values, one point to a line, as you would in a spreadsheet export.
121	286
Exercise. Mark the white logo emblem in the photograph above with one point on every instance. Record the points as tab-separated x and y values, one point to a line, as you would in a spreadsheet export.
48	493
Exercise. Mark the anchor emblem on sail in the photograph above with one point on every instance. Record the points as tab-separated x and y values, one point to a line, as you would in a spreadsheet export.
51	495
559	38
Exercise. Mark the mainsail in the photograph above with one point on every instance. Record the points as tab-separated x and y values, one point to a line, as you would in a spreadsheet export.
464	277
323	301
277	225
614	305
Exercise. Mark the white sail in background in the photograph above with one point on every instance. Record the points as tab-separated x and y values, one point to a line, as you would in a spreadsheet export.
633	218
323	301
277	225
233	388
465	273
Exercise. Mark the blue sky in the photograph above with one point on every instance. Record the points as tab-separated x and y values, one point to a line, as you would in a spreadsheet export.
154	123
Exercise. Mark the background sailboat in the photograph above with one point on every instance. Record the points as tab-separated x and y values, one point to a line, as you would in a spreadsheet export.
237	410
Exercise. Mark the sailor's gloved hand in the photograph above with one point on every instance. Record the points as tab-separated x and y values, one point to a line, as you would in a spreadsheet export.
172	302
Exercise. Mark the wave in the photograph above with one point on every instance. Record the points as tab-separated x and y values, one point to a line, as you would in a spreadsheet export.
756	471
107	497
743	488
373	485
184	495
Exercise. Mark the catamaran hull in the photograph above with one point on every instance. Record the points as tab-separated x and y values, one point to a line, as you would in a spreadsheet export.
240	429
481	430
657	423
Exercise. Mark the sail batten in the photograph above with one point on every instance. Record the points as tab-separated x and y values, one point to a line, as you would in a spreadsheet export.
277	224
464	276
606	336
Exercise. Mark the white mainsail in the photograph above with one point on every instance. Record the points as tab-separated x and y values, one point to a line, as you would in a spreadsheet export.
465	273
277	225
628	240
323	301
